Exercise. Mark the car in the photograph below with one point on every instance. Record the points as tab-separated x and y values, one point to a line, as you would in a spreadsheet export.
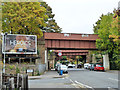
64	68
92	66
86	65
89	65
98	67
79	66
71	65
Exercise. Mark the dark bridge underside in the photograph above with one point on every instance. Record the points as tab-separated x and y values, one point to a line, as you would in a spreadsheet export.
71	52
70	45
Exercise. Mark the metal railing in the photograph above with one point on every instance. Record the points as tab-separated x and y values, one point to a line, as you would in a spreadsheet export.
14	81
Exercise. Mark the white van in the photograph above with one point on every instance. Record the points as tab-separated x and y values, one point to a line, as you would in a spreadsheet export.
86	65
63	67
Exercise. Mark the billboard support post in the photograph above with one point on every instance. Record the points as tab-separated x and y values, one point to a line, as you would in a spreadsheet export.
4	52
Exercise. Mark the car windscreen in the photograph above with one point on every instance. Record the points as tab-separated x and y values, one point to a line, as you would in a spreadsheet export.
64	66
99	66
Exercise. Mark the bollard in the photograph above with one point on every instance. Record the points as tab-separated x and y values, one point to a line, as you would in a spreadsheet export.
61	72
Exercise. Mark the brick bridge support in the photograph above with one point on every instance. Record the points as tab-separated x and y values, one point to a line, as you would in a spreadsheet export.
41	53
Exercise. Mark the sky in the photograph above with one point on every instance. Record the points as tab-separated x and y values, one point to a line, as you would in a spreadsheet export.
78	16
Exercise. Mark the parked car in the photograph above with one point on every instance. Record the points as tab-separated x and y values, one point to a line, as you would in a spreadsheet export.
79	66
86	65
92	66
99	67
63	67
71	65
89	65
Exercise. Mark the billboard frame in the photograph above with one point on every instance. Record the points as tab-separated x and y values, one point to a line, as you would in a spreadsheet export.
3	44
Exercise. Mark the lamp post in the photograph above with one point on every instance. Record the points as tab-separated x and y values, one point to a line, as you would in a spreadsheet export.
4	51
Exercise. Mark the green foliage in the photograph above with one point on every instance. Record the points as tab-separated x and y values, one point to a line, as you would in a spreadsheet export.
64	57
72	62
104	42
51	25
107	29
11	67
24	68
97	26
23	17
28	18
17	70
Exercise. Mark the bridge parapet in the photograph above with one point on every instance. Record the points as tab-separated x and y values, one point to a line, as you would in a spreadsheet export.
70	36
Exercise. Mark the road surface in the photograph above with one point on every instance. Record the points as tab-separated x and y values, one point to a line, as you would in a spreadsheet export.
76	78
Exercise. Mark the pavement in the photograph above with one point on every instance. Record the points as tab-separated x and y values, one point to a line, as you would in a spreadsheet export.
56	75
45	75
113	71
50	79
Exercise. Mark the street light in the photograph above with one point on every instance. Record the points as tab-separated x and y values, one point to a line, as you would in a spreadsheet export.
5	34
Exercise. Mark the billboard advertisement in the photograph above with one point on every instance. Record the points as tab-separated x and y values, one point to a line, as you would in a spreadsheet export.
19	44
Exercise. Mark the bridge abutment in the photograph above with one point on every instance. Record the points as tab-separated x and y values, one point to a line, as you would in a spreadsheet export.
46	58
93	59
106	62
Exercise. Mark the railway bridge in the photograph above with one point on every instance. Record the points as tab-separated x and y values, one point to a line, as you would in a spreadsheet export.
75	43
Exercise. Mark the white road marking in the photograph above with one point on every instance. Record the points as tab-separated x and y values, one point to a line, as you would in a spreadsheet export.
80	85
74	83
83	85
113	79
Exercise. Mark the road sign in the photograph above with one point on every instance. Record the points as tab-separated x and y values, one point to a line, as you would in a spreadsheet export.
59	54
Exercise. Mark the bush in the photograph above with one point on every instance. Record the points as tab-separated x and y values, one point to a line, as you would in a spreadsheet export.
11	67
17	70
113	65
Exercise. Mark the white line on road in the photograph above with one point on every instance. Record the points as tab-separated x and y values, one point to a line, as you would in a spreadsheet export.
83	85
74	83
113	79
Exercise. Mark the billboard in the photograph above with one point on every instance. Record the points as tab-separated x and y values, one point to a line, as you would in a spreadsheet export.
19	44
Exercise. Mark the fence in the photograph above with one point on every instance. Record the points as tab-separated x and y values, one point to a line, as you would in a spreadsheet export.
17	81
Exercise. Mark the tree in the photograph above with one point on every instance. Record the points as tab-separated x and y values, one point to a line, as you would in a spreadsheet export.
51	24
115	36
103	32
97	26
23	17
107	29
115	27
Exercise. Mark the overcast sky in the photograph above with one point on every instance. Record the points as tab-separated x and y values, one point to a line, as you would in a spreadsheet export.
78	16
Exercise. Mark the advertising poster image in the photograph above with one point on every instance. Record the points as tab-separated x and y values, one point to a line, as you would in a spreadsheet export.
20	44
